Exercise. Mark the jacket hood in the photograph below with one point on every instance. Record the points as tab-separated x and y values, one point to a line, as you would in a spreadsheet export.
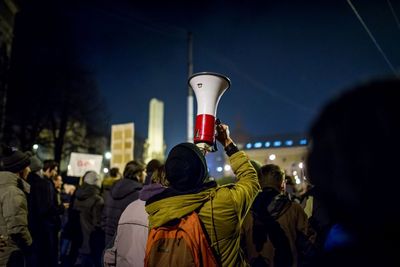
86	191
175	207
150	190
124	187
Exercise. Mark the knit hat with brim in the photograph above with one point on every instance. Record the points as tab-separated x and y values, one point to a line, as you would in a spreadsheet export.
186	167
13	160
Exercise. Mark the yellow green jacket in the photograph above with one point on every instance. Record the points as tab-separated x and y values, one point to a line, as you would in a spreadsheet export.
222	213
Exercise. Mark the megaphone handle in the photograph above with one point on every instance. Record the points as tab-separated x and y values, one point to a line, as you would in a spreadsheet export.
215	146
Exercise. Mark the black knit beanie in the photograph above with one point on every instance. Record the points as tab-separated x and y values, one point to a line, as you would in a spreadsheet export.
13	160
186	167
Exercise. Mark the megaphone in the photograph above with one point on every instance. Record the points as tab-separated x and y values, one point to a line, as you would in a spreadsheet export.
208	88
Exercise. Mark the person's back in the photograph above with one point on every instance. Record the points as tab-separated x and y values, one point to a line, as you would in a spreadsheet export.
271	206
14	234
128	249
123	192
354	149
89	203
113	177
221	209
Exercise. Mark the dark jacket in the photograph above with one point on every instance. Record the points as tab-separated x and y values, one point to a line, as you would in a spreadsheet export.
124	192
90	204
292	220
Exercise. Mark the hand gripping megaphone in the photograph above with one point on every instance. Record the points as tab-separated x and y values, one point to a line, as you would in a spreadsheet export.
208	88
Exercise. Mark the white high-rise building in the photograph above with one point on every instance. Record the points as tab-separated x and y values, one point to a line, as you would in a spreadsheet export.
154	146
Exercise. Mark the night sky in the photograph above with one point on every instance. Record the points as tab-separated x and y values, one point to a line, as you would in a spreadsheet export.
285	58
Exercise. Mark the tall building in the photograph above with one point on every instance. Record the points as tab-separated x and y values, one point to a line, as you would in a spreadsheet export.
122	144
154	147
8	10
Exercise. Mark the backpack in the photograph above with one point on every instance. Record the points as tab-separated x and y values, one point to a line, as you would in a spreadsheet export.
180	243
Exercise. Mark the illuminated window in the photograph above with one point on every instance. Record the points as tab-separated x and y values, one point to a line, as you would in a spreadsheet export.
258	145
303	142
289	142
267	144
248	146
277	143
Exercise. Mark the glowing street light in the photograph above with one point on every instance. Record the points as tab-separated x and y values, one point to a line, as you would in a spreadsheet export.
35	147
107	155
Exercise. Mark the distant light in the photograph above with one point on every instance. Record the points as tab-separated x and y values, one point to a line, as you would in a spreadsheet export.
35	146
289	142
248	146
301	165
303	142
108	155
294	172
69	167
272	157
267	144
227	167
219	169
105	170
277	143
258	145
297	180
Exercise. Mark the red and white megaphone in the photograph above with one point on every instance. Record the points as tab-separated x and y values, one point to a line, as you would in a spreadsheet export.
208	88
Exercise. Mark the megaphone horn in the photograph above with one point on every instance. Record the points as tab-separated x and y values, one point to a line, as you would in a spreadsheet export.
208	88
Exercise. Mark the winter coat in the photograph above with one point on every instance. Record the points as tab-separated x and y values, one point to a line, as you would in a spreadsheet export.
90	204
222	210
130	241
124	192
13	216
292	220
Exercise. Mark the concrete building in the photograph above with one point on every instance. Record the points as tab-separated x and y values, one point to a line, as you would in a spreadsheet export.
287	151
122	144
154	147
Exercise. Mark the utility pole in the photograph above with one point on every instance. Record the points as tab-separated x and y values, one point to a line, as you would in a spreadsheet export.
190	128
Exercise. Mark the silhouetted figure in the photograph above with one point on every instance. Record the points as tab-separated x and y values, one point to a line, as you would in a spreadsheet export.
15	238
90	204
221	209
124	192
354	153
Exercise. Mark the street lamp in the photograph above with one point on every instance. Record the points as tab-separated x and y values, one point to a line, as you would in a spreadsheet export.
107	155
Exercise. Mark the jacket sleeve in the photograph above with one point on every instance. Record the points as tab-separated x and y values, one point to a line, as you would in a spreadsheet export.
247	187
15	212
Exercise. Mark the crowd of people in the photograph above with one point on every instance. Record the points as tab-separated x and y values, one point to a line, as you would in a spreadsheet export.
139	218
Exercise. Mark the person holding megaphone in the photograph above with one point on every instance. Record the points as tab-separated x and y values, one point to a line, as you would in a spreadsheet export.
221	209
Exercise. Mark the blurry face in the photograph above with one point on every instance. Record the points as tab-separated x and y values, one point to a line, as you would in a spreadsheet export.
24	173
58	182
51	173
142	176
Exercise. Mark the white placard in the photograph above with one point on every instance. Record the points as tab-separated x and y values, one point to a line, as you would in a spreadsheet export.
79	163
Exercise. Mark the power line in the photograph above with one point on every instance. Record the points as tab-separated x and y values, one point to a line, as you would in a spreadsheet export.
393	13
372	38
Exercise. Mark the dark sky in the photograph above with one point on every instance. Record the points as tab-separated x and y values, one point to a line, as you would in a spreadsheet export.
285	58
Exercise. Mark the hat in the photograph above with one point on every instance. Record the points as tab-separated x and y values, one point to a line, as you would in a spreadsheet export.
186	167
36	164
13	160
92	178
